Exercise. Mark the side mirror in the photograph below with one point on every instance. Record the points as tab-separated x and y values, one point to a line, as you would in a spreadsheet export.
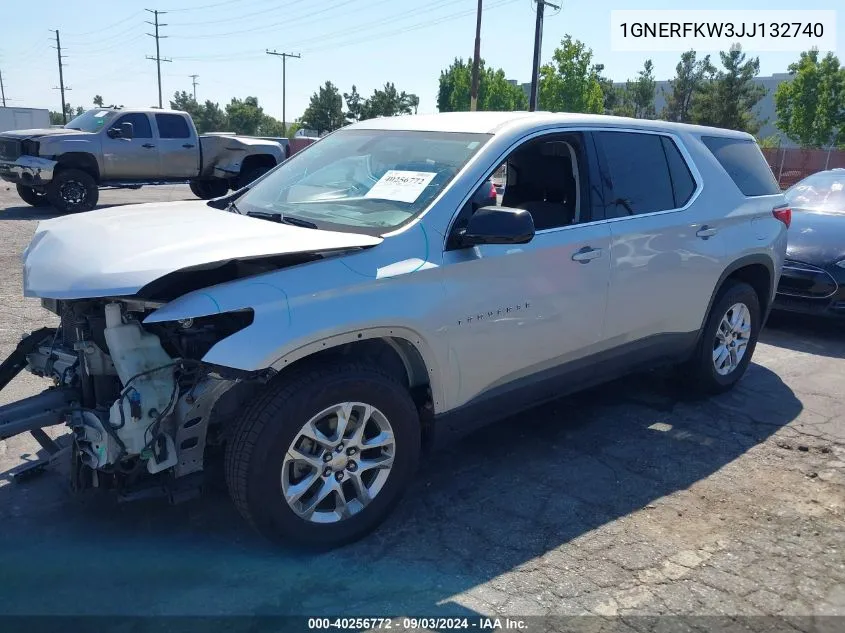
127	131
498	225
113	132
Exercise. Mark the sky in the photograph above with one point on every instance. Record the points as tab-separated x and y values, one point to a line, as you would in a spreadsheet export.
361	42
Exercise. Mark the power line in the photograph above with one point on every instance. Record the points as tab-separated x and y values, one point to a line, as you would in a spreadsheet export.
538	45
158	59
204	6
230	19
61	76
101	29
194	82
284	57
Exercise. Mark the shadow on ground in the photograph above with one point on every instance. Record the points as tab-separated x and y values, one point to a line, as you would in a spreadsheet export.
805	333
491	503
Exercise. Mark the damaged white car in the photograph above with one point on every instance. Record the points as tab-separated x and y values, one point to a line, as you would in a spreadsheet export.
374	295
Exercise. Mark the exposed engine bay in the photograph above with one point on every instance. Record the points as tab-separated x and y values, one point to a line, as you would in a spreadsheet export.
137	399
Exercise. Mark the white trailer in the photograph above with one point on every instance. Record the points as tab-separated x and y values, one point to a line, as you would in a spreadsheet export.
24	118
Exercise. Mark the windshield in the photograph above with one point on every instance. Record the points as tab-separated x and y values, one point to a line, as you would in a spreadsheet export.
91	121
824	192
367	181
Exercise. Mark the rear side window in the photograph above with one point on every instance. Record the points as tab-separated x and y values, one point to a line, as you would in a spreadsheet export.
172	126
141	127
637	173
683	185
745	164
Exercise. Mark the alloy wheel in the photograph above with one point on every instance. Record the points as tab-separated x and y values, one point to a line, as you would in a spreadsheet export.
732	337
338	462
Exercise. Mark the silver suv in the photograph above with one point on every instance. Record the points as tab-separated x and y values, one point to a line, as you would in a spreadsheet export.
375	296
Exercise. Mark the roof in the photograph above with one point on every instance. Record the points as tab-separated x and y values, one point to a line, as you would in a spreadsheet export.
495	122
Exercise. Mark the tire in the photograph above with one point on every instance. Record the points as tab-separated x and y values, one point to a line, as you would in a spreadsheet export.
251	175
32	196
265	437
701	374
72	191
209	189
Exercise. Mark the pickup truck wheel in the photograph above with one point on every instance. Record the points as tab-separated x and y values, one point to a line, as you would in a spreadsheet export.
73	190
727	341
208	189
322	459
251	175
32	196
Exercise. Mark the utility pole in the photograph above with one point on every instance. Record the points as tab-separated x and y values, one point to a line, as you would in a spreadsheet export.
194	78
473	94
61	75
538	45
2	88
158	59
284	57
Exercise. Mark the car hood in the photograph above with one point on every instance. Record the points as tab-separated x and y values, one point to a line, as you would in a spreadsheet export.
117	251
816	238
38	133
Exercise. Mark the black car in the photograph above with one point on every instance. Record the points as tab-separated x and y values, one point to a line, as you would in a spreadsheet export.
813	279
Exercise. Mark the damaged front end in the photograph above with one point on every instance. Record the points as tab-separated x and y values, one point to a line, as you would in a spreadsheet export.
137	398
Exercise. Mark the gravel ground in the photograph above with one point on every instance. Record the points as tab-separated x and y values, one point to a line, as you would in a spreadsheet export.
627	500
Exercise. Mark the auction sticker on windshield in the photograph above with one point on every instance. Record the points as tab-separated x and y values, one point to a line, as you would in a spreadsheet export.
401	186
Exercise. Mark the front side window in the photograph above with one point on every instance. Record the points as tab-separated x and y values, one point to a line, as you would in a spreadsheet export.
172	126
141	127
638	175
369	181
823	192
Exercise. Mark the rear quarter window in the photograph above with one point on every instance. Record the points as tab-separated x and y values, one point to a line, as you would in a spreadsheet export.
745	164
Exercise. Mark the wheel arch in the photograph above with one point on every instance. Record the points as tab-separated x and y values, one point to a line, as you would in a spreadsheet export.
758	271
79	160
257	160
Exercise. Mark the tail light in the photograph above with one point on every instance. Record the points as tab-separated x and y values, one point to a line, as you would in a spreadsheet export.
784	214
493	192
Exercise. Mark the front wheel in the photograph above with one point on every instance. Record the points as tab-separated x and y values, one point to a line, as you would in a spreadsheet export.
251	175
73	190
322	460
727	340
32	197
208	189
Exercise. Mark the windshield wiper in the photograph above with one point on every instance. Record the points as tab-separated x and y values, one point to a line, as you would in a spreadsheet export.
282	219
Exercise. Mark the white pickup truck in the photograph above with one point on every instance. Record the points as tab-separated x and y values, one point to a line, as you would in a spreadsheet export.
109	147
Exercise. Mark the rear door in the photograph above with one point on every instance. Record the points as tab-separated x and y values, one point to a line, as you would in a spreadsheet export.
131	159
178	146
666	251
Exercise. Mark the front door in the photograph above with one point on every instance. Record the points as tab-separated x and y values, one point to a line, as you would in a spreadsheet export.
180	154
518	313
131	159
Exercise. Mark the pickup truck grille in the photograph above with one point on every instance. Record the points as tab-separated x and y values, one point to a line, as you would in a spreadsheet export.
10	149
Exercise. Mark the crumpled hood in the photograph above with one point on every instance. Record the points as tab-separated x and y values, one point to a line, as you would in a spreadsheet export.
38	133
117	251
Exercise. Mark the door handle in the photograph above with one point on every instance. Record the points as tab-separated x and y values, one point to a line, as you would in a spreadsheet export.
148	145
187	145
706	231
586	255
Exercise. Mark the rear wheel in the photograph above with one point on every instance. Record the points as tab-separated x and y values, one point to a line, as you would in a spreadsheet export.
32	196
322	459
252	174
727	341
208	189
73	190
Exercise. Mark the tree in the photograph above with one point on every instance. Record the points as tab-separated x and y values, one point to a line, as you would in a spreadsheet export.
728	99
638	95
354	104
70	112
611	94
495	92
689	81
387	102
98	101
811	108
325	110
570	83
245	116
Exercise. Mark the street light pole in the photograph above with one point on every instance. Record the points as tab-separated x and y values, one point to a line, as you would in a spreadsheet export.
538	46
